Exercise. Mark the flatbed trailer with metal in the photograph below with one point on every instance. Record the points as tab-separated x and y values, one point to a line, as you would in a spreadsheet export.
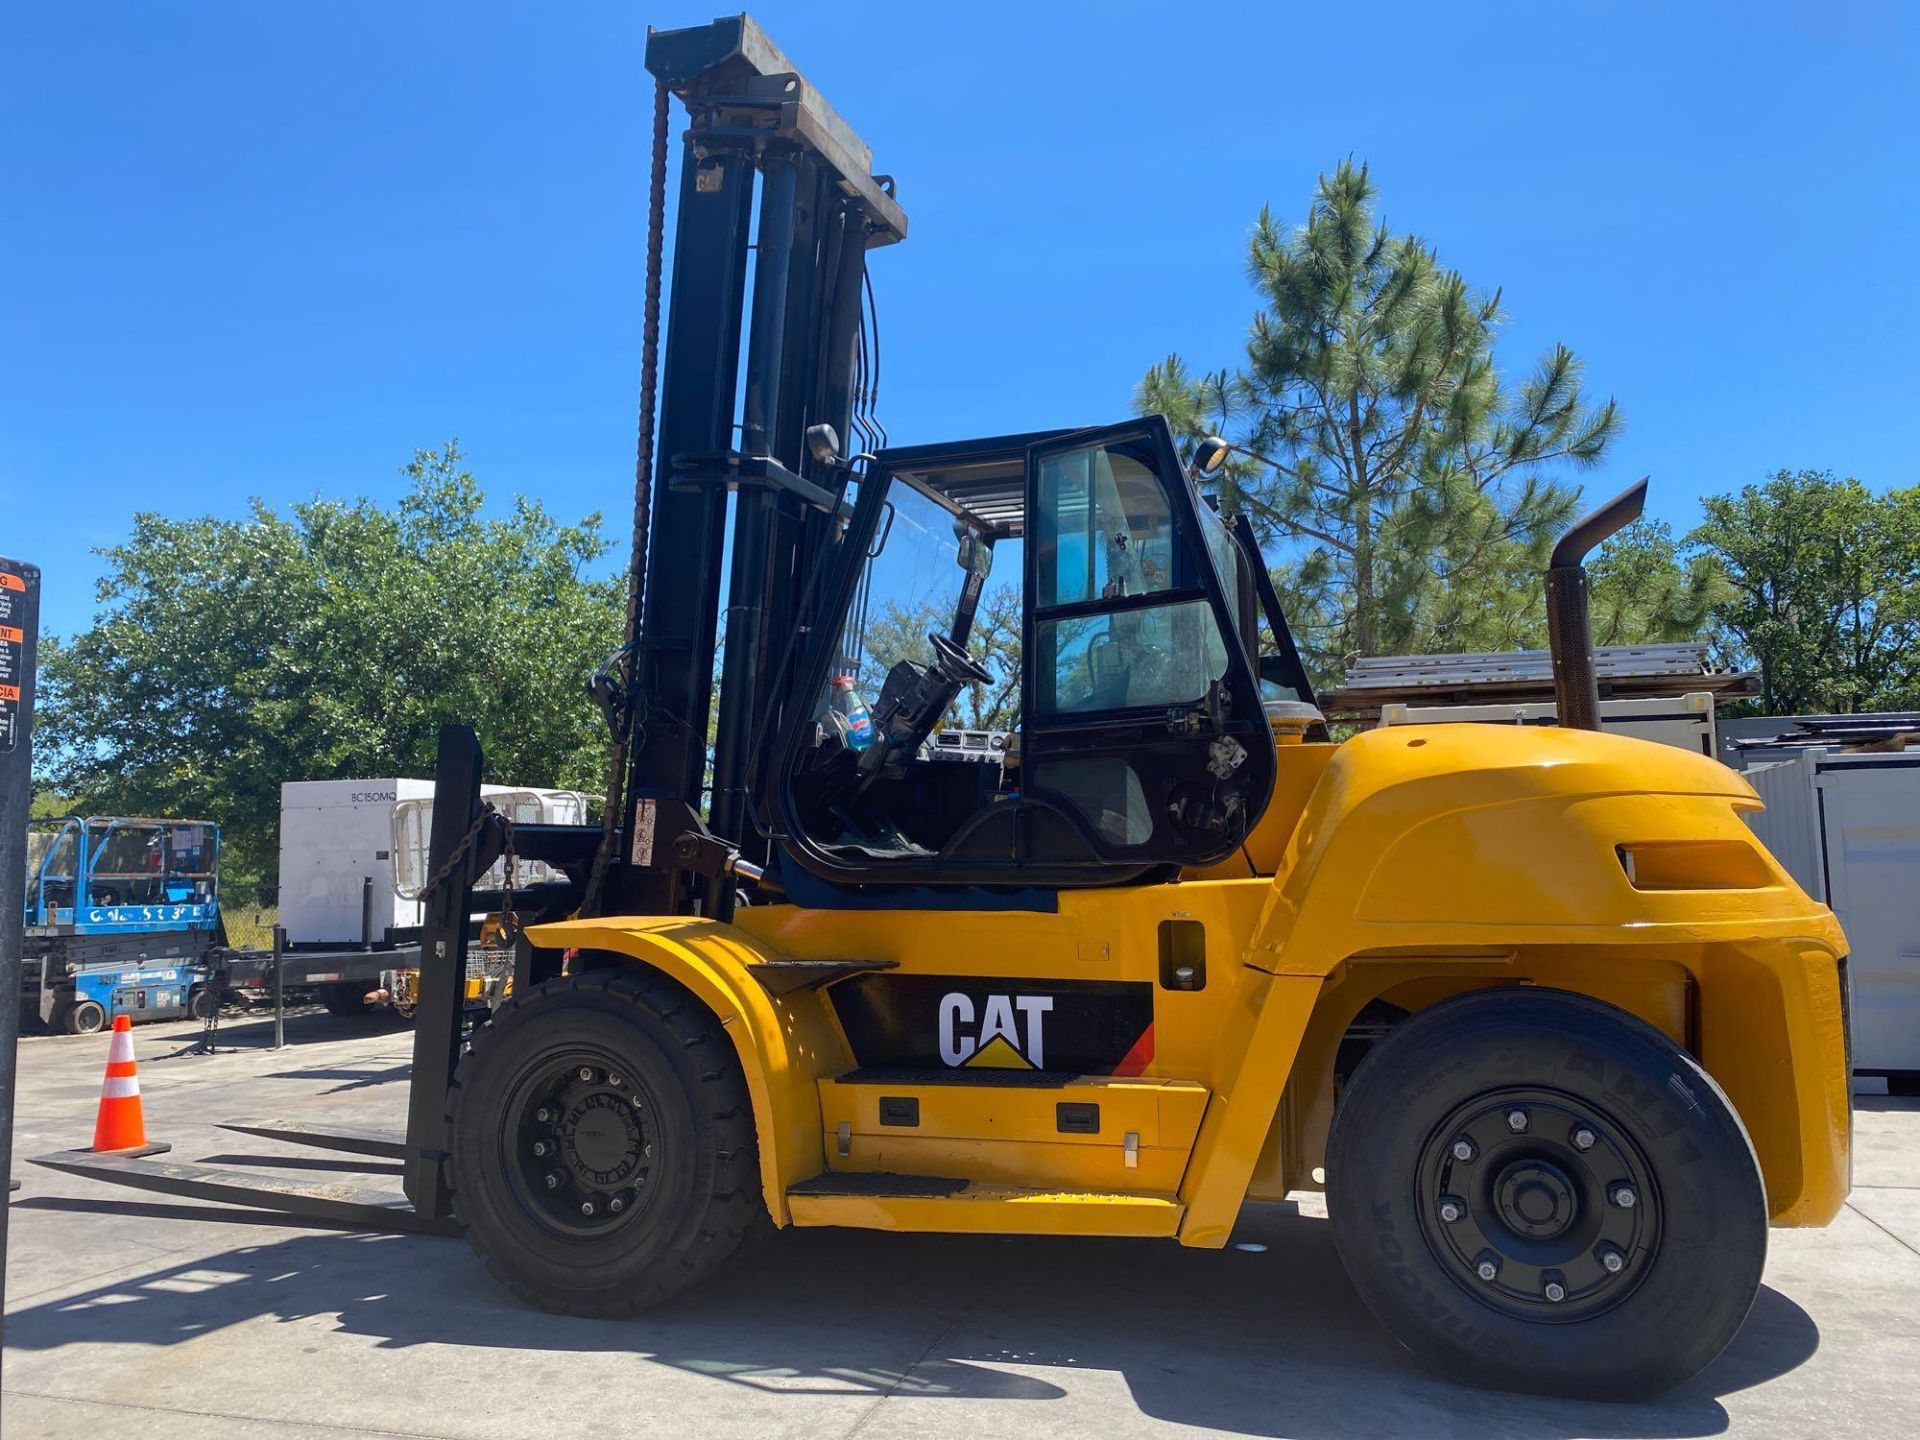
339	977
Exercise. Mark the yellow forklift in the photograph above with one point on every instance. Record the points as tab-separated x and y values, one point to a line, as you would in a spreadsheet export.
1555	1034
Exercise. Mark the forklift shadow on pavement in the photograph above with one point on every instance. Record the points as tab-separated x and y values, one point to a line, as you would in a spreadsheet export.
1271	1339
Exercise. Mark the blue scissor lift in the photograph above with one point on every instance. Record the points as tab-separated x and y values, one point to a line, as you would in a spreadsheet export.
122	913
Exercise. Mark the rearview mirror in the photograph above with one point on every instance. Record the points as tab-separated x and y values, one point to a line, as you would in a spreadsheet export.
974	554
823	443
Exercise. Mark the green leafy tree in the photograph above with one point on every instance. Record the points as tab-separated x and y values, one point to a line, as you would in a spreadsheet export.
1823	590
1408	494
228	656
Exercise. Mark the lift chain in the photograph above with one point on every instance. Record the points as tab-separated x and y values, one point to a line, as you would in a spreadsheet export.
488	816
509	922
624	710
480	822
459	853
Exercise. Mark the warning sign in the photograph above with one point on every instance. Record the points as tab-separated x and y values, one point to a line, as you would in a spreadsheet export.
14	622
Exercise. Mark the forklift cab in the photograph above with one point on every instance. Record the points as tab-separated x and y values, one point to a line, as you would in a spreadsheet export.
1129	678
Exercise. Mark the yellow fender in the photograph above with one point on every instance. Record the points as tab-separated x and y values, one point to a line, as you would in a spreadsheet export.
785	1044
1501	844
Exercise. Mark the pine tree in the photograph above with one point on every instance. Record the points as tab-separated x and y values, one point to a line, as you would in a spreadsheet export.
1407	494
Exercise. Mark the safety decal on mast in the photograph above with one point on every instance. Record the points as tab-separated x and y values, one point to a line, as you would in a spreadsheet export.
645	818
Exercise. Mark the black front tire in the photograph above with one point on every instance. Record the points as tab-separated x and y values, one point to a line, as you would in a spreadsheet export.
1602	1099
84	1017
602	1144
202	1004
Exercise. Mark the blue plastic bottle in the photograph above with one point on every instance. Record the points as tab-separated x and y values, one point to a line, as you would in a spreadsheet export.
852	710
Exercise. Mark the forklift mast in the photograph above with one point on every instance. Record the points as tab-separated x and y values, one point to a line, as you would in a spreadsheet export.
754	124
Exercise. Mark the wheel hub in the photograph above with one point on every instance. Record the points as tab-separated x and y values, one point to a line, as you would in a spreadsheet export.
1535	1199
600	1139
1519	1203
578	1144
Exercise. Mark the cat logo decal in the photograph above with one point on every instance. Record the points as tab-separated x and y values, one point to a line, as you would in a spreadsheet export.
990	1034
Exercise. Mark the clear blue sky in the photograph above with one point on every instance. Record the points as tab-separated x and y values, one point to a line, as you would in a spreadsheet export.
268	249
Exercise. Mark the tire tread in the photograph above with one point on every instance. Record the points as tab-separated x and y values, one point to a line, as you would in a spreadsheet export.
734	1208
1615	1358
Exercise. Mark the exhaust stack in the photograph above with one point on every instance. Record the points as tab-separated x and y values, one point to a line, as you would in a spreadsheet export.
1576	686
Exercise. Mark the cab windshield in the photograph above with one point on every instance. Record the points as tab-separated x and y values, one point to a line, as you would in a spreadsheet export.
915	584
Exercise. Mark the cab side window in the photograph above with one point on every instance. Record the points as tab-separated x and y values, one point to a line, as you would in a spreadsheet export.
1105	527
1105	550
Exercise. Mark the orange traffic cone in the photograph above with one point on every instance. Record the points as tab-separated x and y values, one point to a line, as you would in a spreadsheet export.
120	1125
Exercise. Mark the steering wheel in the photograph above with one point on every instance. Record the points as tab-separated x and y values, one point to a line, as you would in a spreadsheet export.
957	664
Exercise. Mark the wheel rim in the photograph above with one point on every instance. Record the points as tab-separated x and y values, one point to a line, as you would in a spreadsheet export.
1538	1204
579	1141
88	1018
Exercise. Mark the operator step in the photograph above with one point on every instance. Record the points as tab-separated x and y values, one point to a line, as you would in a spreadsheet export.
941	1204
1023	1128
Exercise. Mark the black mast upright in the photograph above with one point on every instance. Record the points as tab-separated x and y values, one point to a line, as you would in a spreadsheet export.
820	209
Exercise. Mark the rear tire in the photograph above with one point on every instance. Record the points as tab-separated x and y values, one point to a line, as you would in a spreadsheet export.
347	999
85	1017
1651	1285
602	1144
202	1004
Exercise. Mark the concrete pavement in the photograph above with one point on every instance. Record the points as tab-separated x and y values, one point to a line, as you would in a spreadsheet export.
152	1318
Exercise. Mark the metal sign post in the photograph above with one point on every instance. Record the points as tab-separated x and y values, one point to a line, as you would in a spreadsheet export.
19	636
279	988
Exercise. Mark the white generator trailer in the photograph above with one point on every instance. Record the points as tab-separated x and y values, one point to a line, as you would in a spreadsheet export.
1846	825
353	858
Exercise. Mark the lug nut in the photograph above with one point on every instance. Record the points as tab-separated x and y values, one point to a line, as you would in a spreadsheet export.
587	1208
614	1080
553	1180
1613	1260
1486	1267
616	1204
1463	1149
543	1115
1516	1120
1623	1196
1583	1138
636	1099
540	1147
586	1072
1555	1290
1451	1210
